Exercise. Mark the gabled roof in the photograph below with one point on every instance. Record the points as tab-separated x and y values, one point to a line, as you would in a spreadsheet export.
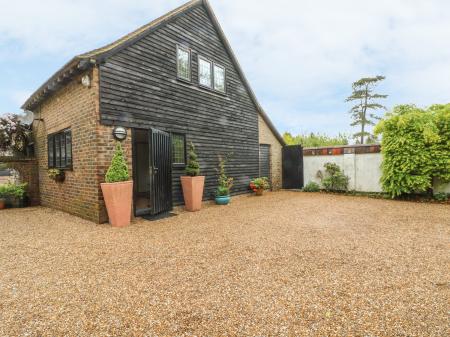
83	61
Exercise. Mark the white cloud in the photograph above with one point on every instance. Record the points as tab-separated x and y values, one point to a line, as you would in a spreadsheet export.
300	56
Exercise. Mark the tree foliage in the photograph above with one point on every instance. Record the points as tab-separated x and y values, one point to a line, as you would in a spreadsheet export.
415	147
362	112
315	140
118	170
334	179
192	167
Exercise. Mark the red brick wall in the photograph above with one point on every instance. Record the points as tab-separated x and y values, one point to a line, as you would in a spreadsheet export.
28	173
77	107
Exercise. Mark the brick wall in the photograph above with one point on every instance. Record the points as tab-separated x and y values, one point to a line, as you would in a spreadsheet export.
266	136
75	107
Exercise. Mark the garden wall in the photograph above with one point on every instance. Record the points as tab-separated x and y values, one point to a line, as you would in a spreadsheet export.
362	163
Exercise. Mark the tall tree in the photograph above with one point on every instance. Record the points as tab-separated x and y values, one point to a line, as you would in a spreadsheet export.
366	104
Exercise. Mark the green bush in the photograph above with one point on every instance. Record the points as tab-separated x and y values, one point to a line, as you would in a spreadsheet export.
334	179
192	167
415	147
311	187
118	170
441	196
225	182
10	190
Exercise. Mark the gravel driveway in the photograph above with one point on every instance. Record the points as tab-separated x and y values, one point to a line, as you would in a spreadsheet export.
284	264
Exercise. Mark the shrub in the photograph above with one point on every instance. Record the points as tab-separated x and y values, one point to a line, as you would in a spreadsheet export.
259	183
192	167
312	186
118	170
333	179
225	183
415	147
13	190
441	196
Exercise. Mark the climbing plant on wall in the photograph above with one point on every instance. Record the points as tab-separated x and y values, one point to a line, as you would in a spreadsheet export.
415	147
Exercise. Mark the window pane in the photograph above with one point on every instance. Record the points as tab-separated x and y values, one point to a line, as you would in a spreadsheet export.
183	64
50	149
63	150
204	73
219	78
69	148
58	151
178	149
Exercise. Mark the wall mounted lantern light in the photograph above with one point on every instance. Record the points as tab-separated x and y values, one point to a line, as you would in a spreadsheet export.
120	133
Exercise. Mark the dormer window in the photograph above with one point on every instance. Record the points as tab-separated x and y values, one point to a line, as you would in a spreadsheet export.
204	72
183	63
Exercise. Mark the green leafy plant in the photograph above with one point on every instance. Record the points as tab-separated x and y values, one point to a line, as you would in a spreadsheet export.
14	133
13	190
415	148
334	179
315	139
225	182
54	173
118	170
312	186
441	196
259	183
192	167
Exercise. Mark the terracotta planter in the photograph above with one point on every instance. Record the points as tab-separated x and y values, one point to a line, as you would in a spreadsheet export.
193	192
259	191
2	203
118	199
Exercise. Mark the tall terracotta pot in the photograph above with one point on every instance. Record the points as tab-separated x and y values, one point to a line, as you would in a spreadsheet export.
193	192
118	199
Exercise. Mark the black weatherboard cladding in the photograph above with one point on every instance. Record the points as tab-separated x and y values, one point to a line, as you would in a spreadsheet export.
138	88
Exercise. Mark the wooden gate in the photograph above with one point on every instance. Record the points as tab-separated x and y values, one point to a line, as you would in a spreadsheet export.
292	167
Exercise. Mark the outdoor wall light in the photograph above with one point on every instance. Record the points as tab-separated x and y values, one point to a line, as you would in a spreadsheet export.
86	81
120	133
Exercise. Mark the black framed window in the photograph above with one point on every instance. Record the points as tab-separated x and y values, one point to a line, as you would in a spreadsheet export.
60	149
178	149
183	63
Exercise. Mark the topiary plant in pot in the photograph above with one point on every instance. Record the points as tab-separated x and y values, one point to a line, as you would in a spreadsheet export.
225	184
118	190
192	183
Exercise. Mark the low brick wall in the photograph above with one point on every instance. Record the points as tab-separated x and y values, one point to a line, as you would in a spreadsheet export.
28	173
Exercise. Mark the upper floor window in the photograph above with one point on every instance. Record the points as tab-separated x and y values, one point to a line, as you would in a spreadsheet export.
219	78
60	149
204	72
183	63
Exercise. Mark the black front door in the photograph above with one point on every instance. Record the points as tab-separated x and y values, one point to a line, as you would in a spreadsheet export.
160	171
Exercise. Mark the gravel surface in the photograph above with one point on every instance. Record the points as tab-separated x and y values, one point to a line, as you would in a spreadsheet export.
284	264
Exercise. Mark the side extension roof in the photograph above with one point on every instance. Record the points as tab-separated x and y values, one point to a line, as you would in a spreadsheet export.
82	62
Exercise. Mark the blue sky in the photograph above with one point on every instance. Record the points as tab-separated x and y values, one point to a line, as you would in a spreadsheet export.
299	56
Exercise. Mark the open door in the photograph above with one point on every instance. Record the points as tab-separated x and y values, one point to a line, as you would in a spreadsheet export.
160	171
152	172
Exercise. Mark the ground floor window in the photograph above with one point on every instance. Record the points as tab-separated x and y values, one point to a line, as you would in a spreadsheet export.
178	149
60	149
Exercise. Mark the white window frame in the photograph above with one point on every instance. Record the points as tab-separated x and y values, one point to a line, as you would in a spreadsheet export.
211	70
185	49
224	78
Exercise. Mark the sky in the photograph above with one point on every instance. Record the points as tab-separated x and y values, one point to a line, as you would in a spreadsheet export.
300	57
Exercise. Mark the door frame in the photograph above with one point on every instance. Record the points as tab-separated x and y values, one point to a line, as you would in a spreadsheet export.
150	170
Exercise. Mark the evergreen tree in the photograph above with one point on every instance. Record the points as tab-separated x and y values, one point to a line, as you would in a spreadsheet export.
192	167
118	170
366	101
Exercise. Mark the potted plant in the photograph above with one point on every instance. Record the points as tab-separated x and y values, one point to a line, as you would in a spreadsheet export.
2	197
192	183
225	184
260	184
13	194
57	175
118	190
